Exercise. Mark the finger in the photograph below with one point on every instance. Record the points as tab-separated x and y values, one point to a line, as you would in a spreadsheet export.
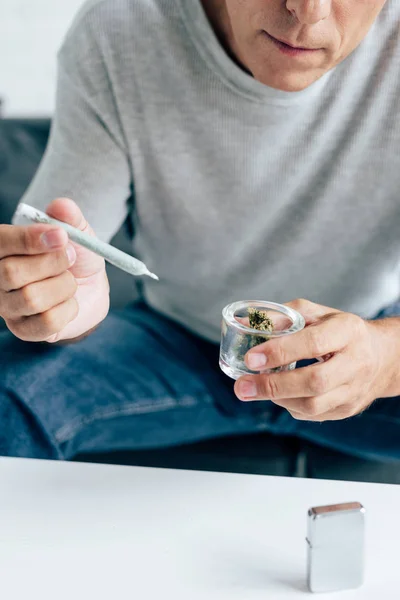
332	334
40	296
32	239
39	328
66	210
344	411
341	409
312	407
17	272
314	380
310	311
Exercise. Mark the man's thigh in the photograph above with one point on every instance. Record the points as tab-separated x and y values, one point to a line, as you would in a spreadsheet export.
374	434
138	381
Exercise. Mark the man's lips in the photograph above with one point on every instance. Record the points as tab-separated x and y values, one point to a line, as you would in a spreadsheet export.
289	48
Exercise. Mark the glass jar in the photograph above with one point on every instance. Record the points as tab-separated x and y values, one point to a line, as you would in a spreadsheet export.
237	337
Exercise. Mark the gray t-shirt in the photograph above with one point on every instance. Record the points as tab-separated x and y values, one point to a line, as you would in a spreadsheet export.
240	191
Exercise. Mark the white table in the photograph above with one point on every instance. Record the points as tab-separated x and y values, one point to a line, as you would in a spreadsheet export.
90	532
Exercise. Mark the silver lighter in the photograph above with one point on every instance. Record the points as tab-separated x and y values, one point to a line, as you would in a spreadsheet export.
335	543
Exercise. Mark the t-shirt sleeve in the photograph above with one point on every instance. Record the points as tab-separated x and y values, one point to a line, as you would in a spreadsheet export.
86	157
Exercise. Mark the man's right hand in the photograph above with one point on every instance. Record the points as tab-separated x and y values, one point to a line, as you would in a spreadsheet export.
51	289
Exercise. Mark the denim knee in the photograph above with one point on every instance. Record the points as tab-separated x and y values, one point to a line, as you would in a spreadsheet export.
21	435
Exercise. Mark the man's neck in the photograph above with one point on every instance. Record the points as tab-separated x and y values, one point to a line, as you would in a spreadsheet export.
219	21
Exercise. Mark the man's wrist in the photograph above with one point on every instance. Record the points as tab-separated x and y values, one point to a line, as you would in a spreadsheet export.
388	353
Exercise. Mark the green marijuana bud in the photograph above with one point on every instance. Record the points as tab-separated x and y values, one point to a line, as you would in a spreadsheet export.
258	319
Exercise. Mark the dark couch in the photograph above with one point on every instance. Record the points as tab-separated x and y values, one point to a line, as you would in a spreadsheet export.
22	143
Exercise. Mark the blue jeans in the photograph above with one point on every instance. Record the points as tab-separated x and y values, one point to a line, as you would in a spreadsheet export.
142	381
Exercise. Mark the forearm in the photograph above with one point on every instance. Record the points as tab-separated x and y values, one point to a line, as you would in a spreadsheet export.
388	352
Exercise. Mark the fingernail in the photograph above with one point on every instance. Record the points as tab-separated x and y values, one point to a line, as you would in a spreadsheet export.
256	361
71	254
51	239
247	389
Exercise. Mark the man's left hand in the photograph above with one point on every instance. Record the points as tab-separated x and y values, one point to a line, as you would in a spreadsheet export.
360	365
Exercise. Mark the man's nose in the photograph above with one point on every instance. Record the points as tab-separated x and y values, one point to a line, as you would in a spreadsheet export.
309	12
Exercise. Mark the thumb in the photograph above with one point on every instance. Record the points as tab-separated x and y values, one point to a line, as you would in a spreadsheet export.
87	263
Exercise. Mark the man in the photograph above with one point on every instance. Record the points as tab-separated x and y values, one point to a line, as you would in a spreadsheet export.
261	141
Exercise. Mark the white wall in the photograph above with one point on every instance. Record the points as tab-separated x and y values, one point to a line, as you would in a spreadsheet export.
31	32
